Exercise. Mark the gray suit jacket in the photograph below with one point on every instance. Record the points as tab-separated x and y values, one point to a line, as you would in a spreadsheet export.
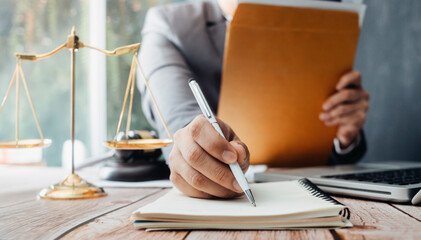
180	41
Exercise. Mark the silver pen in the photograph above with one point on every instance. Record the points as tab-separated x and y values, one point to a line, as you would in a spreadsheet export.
235	167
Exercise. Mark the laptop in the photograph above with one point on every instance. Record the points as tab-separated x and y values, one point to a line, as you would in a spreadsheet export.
395	182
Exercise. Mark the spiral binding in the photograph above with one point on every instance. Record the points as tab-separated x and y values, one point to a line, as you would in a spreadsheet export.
317	192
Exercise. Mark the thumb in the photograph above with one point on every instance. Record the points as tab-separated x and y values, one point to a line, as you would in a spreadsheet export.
346	135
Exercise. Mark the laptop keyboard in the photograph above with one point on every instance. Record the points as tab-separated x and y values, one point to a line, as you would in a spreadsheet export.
395	177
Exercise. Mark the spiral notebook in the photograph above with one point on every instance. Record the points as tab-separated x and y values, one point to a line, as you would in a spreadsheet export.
297	204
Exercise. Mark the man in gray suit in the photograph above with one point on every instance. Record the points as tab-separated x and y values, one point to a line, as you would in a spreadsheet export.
186	40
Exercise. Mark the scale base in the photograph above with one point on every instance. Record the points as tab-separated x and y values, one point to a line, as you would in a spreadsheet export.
73	187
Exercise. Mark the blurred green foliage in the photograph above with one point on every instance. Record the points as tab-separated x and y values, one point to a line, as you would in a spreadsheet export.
38	26
125	19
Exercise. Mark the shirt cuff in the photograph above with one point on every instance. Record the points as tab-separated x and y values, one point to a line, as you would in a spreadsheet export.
343	151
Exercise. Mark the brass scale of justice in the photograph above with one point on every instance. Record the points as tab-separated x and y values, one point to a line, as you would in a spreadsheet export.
73	186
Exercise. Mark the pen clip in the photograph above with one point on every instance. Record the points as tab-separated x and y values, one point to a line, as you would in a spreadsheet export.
200	98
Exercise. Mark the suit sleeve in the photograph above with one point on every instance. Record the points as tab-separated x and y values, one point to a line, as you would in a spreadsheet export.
167	73
352	157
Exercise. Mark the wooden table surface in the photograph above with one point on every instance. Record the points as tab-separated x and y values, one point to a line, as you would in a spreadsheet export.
23	216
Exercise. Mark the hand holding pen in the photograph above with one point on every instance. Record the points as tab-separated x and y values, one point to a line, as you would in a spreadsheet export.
199	158
207	112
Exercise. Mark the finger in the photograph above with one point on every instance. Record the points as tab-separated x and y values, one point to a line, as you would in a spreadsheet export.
204	134
349	80
198	159
193	183
339	121
343	109
347	134
243	154
226	129
343	96
185	188
200	182
356	118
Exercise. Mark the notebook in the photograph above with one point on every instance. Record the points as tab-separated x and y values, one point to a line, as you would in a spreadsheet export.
294	204
282	61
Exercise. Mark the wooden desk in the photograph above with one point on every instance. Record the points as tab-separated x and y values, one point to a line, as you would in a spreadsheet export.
22	216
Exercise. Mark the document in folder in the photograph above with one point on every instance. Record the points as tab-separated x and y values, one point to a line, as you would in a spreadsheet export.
281	63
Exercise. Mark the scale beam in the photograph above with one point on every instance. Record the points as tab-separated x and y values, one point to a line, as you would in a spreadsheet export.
74	187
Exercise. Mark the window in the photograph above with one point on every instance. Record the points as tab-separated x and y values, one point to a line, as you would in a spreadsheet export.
125	19
39	26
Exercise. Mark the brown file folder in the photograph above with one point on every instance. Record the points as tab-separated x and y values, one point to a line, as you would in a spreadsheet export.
280	65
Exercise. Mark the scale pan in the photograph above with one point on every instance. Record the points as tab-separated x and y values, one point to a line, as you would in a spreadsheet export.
133	144
26	143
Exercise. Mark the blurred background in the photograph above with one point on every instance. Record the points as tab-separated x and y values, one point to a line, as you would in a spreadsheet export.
389	57
39	26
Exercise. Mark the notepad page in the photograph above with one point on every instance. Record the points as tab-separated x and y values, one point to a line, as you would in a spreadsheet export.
272	199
